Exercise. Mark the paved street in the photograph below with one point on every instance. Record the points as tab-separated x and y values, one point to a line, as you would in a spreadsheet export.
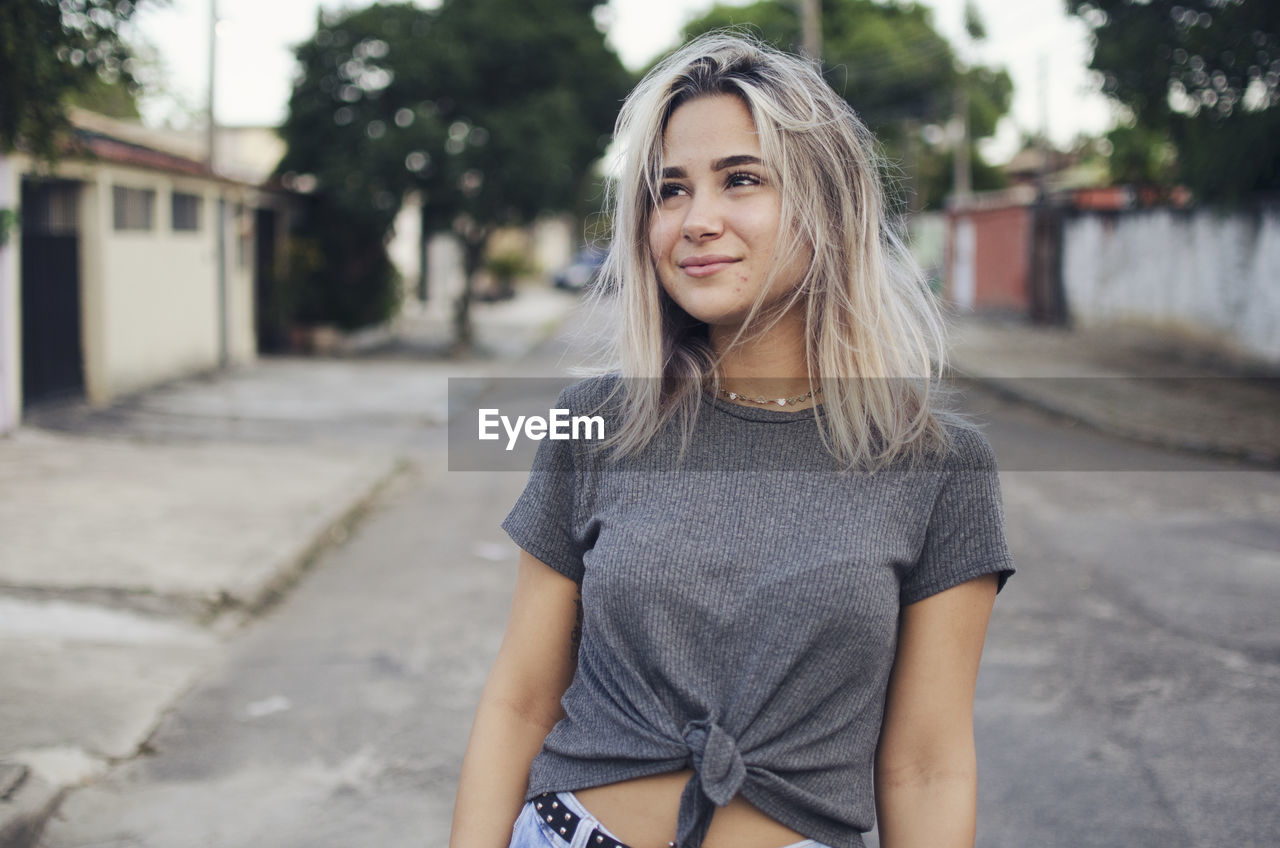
1127	696
1128	690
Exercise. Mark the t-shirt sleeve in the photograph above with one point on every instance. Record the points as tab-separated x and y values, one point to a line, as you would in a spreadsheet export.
543	520
965	535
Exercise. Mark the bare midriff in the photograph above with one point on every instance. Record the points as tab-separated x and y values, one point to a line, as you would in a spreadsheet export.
643	812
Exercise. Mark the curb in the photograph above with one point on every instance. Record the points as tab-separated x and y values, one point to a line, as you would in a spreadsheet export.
26	809
30	801
1058	408
254	595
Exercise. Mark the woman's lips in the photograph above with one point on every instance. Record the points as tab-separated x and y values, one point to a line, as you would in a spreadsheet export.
706	266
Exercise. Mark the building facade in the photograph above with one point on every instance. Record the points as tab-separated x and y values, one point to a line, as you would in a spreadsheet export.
129	266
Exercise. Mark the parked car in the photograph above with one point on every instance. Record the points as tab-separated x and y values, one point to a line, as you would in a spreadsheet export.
582	271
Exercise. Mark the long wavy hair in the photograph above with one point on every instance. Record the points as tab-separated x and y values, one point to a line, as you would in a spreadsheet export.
874	337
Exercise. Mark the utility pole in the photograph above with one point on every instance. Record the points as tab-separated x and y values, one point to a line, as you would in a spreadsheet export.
962	173
961	178
1046	149
210	120
811	19
220	206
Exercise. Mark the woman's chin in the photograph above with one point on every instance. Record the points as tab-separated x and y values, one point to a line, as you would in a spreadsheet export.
717	314
723	321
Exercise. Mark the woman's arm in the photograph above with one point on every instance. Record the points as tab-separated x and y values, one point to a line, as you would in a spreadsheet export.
926	769
519	706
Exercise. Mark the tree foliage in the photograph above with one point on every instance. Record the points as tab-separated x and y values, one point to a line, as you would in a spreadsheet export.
492	110
1200	75
1141	155
891	65
49	51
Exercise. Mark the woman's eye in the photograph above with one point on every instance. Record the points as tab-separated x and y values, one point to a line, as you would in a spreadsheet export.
670	190
743	178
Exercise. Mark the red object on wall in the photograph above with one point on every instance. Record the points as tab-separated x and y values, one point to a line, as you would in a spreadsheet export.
989	257
1104	198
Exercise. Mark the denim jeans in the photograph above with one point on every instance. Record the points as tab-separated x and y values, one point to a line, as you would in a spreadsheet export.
532	831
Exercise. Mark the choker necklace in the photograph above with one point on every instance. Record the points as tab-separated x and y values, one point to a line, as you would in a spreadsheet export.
764	401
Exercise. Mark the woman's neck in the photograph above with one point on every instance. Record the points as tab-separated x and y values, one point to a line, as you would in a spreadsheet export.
772	365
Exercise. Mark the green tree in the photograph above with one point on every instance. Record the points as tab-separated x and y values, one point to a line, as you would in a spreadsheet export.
50	51
1201	77
1141	155
492	110
892	67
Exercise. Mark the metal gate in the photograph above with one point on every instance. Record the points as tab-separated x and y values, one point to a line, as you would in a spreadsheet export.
273	335
1048	303
52	362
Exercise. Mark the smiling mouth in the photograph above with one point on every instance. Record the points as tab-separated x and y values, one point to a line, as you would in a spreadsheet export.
705	266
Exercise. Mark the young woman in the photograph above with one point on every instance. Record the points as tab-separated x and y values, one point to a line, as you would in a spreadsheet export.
754	618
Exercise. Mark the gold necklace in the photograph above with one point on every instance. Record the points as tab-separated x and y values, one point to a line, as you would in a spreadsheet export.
764	401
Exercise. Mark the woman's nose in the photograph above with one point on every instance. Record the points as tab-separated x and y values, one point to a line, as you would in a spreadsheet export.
704	219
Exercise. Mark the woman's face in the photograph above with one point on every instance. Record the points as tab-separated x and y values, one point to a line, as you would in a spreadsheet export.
715	231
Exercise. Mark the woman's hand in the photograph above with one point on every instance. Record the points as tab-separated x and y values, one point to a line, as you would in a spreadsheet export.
926	769
519	706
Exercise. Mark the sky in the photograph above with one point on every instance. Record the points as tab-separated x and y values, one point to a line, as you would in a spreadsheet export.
1044	51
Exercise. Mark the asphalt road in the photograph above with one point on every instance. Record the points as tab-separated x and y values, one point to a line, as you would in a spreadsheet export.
1129	689
1128	695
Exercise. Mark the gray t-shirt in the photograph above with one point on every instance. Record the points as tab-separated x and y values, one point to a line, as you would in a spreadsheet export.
743	622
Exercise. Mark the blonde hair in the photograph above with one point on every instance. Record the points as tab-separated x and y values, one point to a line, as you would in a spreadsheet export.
874	338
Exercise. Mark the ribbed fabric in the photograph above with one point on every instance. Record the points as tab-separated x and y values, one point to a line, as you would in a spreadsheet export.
743	623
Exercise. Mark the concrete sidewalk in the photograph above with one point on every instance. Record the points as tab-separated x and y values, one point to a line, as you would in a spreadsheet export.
1144	384
122	564
135	539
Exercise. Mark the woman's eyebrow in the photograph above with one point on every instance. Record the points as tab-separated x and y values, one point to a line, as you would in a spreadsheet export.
735	161
718	165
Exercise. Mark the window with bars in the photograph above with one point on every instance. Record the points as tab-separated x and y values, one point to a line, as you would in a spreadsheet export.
133	208
49	208
186	212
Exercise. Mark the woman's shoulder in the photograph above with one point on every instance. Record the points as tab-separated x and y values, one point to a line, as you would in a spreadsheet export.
966	447
590	394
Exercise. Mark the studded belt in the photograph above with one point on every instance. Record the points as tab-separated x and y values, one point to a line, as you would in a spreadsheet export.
564	822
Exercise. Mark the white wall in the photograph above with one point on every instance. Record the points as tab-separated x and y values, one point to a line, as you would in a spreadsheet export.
241	244
151	298
1213	273
95	226
554	243
964	281
157	310
10	305
405	247
927	234
445	274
